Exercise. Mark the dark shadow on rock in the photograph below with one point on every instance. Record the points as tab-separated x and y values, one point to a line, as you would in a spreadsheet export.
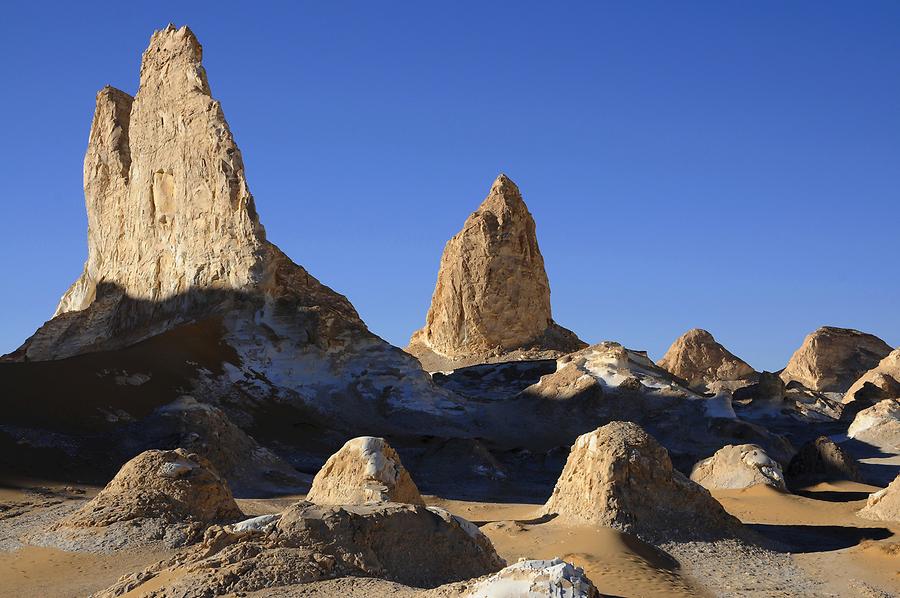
817	538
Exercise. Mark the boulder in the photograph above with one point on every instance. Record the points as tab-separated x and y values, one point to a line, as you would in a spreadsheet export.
832	359
880	383
878	425
365	470
159	496
619	476
410	544
739	466
536	579
492	297
883	505
699	360
821	460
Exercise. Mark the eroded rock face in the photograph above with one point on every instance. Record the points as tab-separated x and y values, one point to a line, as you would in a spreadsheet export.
822	460
492	298
739	466
698	359
409	544
832	359
879	425
879	383
619	476
536	579
883	505
365	471
159	496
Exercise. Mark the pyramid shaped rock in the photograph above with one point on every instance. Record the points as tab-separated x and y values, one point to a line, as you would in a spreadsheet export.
619	476
832	359
167	496
492	298
739	466
174	239
365	471
699	360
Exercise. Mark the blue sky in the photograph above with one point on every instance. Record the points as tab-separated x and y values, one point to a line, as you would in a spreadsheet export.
727	165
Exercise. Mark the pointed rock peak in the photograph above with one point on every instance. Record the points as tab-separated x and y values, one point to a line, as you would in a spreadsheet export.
698	359
173	61
503	184
504	199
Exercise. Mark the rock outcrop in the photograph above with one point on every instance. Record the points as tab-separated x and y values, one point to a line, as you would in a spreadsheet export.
821	460
832	359
365	471
159	496
409	544
536	579
880	383
619	476
699	360
739	466
878	425
492	298
883	505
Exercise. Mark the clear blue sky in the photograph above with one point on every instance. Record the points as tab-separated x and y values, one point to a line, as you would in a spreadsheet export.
727	165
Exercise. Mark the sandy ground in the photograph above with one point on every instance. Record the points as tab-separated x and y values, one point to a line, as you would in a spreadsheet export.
826	550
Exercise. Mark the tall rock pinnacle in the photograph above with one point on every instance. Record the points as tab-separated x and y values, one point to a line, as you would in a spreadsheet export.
492	298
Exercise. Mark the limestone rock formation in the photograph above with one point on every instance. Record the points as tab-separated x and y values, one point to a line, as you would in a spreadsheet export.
365	471
879	383
883	505
698	359
879	425
492	298
739	466
619	476
174	239
409	544
832	359
165	496
821	460
536	579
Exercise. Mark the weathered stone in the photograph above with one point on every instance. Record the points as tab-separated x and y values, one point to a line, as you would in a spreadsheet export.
619	476
879	383
739	466
365	471
553	578
699	360
832	359
821	460
883	505
492	298
878	425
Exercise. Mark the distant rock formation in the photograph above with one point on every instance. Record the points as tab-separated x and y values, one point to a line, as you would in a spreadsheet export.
739	466
821	460
832	359
698	359
365	471
410	544
883	505
492	298
164	496
619	476
879	383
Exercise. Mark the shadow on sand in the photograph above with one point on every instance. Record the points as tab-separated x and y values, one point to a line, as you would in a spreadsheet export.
818	538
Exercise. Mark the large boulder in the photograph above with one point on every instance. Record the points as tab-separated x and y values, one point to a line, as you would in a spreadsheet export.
878	425
619	476
365	470
410	544
492	298
168	497
739	466
553	578
821	460
880	383
699	360
832	359
883	505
